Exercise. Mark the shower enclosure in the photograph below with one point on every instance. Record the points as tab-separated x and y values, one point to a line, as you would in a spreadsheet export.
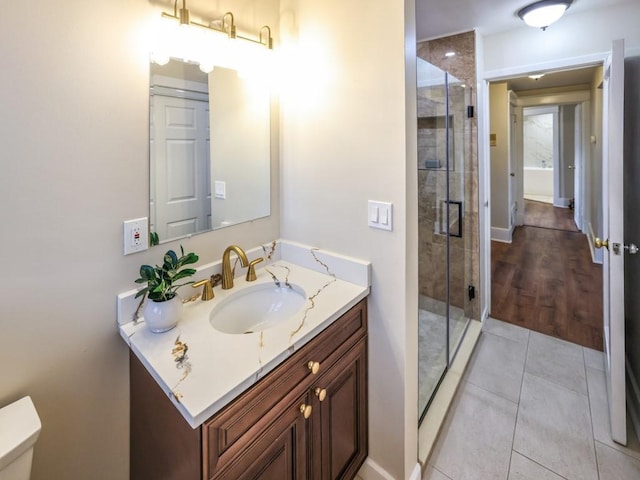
445	232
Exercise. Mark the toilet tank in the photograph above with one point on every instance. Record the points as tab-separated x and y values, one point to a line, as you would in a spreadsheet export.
19	429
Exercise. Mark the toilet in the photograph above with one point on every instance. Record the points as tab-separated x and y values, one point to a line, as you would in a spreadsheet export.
19	429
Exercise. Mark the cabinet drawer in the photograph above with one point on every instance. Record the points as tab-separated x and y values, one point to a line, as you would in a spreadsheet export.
259	405
280	452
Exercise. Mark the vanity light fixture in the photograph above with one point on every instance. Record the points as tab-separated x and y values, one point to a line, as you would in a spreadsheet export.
207	45
543	13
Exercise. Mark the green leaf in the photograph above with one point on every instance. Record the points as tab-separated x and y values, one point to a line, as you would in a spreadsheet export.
171	259
155	239
147	272
187	272
142	292
189	259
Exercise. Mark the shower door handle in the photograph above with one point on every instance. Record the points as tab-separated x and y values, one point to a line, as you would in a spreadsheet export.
512	174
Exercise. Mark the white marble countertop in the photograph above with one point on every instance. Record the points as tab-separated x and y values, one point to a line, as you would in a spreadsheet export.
216	367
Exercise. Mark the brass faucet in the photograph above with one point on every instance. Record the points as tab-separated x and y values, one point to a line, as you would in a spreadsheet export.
227	273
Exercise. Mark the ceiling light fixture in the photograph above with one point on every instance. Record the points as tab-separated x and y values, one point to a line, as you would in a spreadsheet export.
543	13
537	76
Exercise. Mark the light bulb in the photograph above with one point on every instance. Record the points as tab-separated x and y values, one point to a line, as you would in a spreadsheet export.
544	16
206	67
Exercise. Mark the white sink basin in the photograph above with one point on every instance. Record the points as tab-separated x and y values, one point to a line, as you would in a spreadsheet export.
257	308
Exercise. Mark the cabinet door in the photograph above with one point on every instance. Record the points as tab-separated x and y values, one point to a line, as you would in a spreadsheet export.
340	420
279	453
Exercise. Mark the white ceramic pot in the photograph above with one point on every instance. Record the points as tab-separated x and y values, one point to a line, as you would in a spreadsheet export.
162	316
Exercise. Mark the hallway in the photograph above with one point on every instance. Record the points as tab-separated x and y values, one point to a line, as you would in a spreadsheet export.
546	281
545	215
531	407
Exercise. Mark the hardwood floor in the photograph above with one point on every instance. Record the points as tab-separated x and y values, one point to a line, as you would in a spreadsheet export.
546	281
540	214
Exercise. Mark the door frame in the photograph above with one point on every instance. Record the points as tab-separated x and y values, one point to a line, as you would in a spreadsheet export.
484	153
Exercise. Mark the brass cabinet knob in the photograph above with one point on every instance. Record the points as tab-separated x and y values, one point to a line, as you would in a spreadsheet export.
599	243
314	367
305	410
321	393
207	290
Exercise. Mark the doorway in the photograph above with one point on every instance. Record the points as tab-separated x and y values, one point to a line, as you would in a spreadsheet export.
543	275
540	152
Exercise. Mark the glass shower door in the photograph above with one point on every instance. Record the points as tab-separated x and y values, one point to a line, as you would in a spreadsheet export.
444	270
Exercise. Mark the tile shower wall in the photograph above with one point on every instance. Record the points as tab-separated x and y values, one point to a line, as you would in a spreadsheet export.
463	180
538	140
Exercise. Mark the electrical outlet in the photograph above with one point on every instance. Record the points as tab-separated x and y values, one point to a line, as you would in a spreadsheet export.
136	235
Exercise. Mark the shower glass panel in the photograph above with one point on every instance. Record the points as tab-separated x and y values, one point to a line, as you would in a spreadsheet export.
444	269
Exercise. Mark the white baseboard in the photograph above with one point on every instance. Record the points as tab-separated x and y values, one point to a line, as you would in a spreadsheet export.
562	202
596	254
633	399
502	234
370	470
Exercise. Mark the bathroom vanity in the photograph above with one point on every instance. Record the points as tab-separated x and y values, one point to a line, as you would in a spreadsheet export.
214	399
307	419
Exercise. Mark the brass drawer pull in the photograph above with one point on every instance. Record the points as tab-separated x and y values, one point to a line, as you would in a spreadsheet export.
314	367
321	393
305	410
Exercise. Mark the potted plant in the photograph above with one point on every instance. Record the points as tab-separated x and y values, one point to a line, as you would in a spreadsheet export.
162	310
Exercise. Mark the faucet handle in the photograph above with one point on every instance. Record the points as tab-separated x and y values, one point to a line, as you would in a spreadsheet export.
207	291
251	272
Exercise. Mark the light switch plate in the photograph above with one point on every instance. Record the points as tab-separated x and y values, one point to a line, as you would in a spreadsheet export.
380	215
220	189
136	235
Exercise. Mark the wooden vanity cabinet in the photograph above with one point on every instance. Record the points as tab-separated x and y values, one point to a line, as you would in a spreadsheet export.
278	453
306	420
339	426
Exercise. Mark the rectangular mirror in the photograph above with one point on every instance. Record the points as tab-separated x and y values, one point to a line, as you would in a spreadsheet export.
209	149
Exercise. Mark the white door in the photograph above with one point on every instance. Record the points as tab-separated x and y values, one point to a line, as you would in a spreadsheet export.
613	259
181	152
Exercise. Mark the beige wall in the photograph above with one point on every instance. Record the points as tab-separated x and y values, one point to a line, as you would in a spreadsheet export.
73	130
346	127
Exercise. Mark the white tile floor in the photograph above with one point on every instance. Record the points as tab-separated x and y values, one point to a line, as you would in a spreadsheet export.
531	407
